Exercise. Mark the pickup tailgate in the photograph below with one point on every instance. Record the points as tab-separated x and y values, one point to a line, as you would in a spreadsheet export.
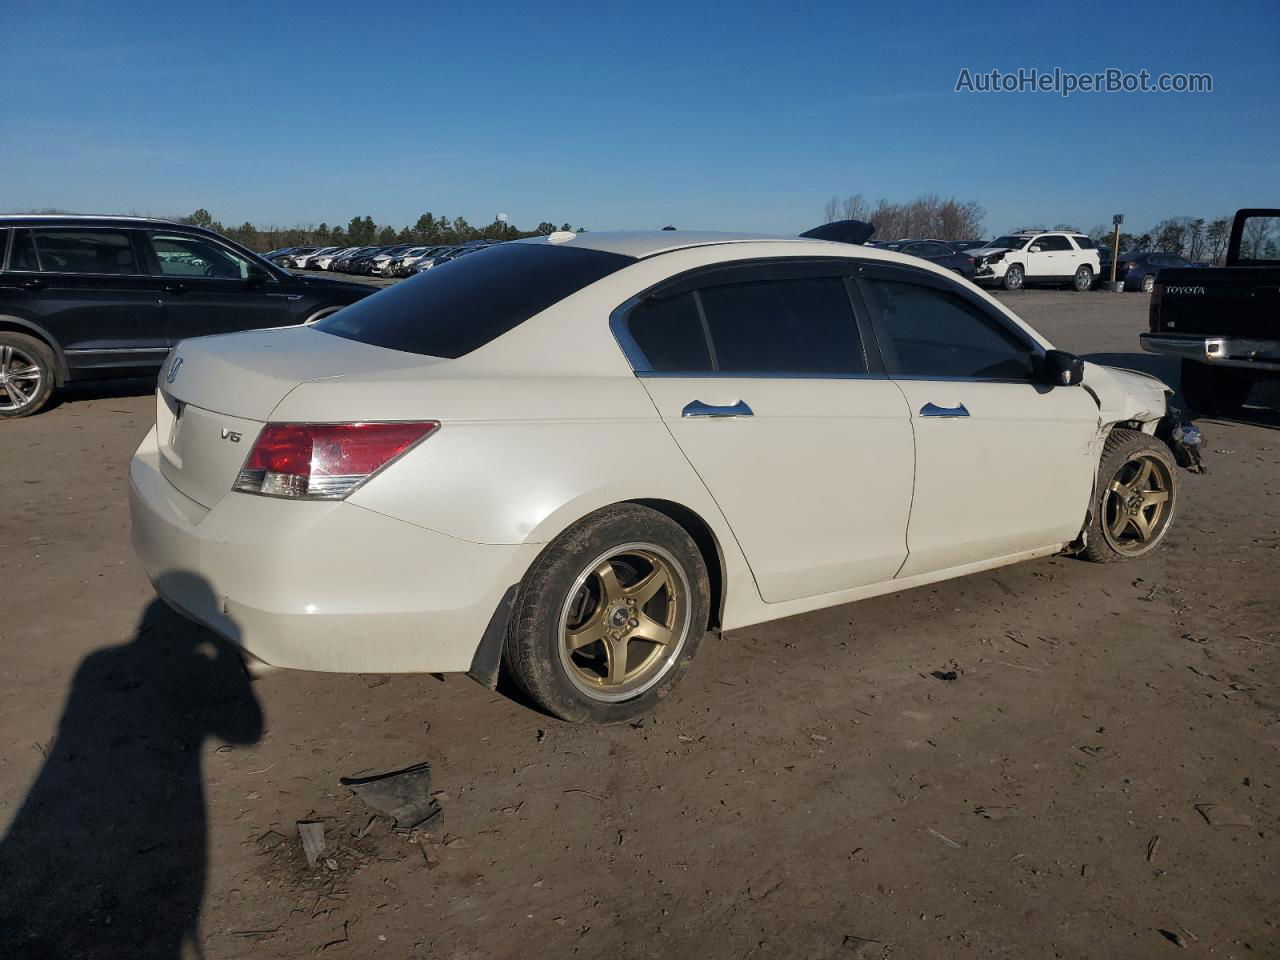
1217	301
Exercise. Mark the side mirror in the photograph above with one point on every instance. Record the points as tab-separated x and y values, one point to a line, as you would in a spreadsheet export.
257	274
1062	369
1034	248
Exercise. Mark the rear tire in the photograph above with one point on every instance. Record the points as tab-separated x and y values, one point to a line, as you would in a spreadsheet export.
1083	280
609	616
1213	391
1135	500
26	375
1013	278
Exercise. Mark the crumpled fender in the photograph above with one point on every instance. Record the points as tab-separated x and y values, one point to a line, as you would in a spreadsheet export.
1127	395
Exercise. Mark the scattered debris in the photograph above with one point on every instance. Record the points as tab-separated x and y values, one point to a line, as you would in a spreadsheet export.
947	675
995	813
404	794
1152	846
858	944
588	793
269	841
542	735
1216	815
313	845
1173	938
947	840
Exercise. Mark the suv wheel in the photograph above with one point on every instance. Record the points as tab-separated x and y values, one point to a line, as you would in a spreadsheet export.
26	375
1083	279
1013	277
1135	498
1213	391
609	616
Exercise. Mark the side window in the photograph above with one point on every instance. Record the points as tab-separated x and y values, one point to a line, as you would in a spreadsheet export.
181	255
4	247
935	250
669	332
23	256
795	326
1084	243
1048	244
57	250
928	332
912	249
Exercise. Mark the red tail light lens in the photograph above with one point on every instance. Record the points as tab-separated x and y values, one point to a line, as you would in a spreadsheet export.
324	461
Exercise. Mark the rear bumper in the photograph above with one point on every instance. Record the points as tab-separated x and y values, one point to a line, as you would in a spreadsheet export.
1240	352
318	585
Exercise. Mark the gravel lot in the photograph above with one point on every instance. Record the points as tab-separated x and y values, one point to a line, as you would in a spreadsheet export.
1100	781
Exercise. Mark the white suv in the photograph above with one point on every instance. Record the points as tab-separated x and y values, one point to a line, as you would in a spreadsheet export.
1021	259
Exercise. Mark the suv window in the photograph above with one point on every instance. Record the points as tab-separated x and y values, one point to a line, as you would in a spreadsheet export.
927	332
4	246
182	255
60	250
1050	242
934	249
1084	243
463	304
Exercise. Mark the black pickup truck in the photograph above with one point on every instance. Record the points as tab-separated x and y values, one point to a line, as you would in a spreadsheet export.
1224	322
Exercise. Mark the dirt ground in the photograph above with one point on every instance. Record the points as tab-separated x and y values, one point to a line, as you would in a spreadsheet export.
1100	780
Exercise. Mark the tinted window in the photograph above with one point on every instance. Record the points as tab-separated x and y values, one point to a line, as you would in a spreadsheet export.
461	305
1084	243
1052	243
4	247
670	334
935	333
181	255
78	251
933	250
783	326
1260	240
23	255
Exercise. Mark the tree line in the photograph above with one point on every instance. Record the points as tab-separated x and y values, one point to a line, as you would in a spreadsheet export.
926	216
429	229
1195	238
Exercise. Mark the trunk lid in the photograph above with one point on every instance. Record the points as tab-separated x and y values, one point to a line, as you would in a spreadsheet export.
225	388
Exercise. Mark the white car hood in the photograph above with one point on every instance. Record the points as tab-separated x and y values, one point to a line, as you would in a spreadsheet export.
1126	394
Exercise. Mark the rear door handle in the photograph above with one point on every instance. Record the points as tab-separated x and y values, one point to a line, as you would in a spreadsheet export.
933	410
699	409
33	284
175	288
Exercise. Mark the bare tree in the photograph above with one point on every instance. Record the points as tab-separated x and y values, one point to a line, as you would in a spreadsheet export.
1257	233
1216	236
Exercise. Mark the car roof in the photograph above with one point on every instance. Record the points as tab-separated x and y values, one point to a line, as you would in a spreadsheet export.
80	220
648	243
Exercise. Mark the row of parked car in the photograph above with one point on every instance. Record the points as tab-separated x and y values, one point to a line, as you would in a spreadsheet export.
396	260
1040	257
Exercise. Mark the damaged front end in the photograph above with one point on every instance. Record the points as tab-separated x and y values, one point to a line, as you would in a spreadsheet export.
1182	438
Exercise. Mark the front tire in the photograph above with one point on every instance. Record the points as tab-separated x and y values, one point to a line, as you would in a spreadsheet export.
1135	498
1213	391
609	616
26	375
1083	280
1013	278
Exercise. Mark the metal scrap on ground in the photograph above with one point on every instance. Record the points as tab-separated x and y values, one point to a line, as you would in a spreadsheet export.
403	794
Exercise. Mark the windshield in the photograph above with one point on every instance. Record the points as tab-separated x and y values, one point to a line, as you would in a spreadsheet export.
1013	241
463	304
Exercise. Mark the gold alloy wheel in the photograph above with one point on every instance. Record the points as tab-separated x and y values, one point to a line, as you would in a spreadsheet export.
624	622
1138	504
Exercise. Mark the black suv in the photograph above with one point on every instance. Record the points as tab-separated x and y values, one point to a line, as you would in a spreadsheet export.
85	298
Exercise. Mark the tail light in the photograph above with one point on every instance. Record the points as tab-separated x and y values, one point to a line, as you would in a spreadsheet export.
324	461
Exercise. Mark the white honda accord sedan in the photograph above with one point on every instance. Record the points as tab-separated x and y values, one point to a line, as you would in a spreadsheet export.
571	457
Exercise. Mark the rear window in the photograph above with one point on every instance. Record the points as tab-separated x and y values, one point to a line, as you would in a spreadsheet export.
1084	243
461	305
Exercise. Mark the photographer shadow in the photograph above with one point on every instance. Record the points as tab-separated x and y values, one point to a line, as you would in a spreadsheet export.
107	855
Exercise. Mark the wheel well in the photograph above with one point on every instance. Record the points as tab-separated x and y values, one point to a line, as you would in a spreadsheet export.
61	371
697	528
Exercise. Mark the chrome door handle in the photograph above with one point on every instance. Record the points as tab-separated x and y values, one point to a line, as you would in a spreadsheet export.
933	410
699	409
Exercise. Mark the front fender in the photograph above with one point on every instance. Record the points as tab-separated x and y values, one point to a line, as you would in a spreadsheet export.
1127	396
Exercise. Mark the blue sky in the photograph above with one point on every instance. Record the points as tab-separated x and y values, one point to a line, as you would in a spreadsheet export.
706	116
